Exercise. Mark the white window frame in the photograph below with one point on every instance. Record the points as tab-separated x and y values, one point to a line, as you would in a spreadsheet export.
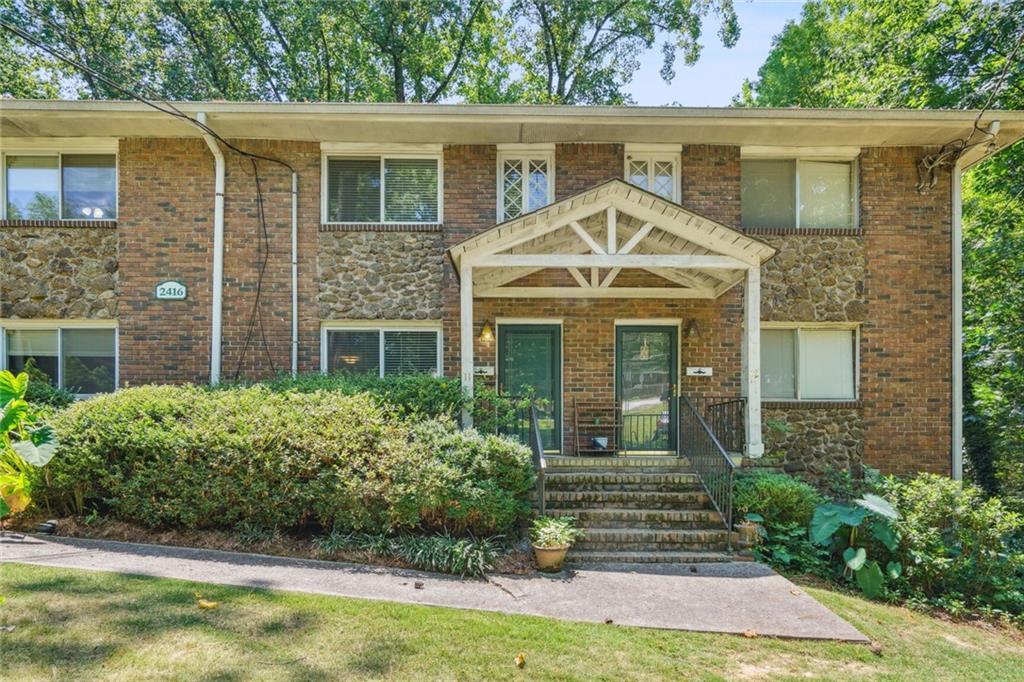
652	153
850	155
59	326
382	326
524	153
329	151
797	327
58	147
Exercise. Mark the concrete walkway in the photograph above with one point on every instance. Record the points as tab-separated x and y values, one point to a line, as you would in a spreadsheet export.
730	598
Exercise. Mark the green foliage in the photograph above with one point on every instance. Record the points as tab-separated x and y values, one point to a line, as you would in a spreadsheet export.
553	532
42	391
955	545
442	553
786	546
189	457
856	532
26	444
778	498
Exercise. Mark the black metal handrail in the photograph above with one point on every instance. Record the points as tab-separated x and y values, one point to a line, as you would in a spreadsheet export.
714	467
539	460
726	417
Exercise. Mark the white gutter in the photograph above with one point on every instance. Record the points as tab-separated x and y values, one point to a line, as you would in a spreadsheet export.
957	445
218	255
295	274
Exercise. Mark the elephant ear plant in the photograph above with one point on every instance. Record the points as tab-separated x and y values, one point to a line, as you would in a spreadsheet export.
25	443
854	529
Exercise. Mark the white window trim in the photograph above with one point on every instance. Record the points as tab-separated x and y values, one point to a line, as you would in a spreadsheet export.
382	326
59	147
656	152
838	158
330	151
524	153
797	327
58	326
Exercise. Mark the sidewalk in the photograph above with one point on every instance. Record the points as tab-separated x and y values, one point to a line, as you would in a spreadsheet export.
728	598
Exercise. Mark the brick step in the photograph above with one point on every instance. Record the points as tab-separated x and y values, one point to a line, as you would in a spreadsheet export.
665	482
577	556
625	462
625	499
642	518
649	540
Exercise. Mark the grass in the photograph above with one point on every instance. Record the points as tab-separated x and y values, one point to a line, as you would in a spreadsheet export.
79	625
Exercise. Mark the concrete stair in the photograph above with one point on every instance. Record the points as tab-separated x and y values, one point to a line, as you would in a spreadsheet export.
637	510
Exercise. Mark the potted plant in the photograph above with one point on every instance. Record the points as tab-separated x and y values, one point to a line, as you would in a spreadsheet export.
551	538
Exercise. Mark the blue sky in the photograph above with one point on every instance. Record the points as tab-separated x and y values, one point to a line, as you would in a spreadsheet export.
716	78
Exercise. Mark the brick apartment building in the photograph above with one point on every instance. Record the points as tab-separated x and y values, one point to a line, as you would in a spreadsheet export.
607	258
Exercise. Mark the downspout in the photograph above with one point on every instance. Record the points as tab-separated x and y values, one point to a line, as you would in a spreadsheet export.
295	274
216	312
957	446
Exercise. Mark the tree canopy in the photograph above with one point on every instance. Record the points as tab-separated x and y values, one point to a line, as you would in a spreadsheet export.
937	53
550	51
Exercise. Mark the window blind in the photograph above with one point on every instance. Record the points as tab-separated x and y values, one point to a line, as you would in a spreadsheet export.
778	363
410	190
826	364
825	194
350	350
353	190
410	352
768	193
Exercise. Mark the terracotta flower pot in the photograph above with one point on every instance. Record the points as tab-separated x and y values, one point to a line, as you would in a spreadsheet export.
549	559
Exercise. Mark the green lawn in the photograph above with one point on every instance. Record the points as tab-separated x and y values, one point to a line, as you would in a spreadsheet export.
80	625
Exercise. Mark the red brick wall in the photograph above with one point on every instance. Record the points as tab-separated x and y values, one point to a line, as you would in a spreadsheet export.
578	167
166	232
711	182
906	339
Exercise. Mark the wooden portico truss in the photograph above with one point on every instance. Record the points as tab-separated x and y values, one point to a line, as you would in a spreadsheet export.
614	229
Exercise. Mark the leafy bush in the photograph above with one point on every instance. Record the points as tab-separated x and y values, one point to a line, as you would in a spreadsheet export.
411	395
551	532
956	546
43	393
442	553
184	456
863	534
26	444
786	546
778	498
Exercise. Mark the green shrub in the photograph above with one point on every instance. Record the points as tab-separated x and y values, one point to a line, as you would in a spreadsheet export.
188	457
411	395
956	546
43	393
442	553
778	498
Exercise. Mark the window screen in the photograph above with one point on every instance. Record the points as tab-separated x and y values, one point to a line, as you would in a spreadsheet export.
768	193
353	190
410	352
826	364
778	363
826	189
410	190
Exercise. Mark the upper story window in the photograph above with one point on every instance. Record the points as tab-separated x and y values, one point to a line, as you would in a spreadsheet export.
799	193
82	359
808	363
382	350
60	186
382	188
655	168
526	181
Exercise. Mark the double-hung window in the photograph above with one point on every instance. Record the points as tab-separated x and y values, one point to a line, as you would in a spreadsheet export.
81	359
655	169
382	188
59	186
809	363
798	193
526	182
383	350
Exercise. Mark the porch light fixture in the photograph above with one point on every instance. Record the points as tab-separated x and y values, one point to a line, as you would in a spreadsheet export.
487	334
692	329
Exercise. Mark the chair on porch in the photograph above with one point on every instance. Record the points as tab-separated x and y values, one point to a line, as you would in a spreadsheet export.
597	428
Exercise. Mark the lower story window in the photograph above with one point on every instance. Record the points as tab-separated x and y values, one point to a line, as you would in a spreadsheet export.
383	351
808	364
82	360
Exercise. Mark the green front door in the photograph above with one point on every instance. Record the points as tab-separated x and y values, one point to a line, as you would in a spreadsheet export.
530	363
646	367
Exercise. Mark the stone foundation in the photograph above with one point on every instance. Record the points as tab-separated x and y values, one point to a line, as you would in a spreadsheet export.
821	439
58	273
380	275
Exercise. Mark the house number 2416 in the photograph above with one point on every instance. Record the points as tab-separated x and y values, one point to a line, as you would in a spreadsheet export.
171	291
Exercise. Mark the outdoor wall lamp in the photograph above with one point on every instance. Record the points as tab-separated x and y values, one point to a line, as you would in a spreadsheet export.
692	329
487	334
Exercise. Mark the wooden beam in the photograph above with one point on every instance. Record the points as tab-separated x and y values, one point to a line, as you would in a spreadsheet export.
636	238
578	276
752	361
610	277
466	336
613	235
595	274
587	239
556	260
593	292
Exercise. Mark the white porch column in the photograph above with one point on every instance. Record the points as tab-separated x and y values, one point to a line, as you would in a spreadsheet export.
466	336
752	360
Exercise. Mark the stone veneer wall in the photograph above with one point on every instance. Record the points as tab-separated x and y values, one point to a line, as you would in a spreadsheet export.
814	279
58	273
381	275
820	439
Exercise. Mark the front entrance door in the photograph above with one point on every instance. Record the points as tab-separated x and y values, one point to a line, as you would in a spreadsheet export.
530	362
646	362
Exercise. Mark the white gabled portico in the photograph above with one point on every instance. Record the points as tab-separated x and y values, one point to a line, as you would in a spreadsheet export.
586	241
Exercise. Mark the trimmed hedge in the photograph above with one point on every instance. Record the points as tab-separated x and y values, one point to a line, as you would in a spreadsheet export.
779	498
189	457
